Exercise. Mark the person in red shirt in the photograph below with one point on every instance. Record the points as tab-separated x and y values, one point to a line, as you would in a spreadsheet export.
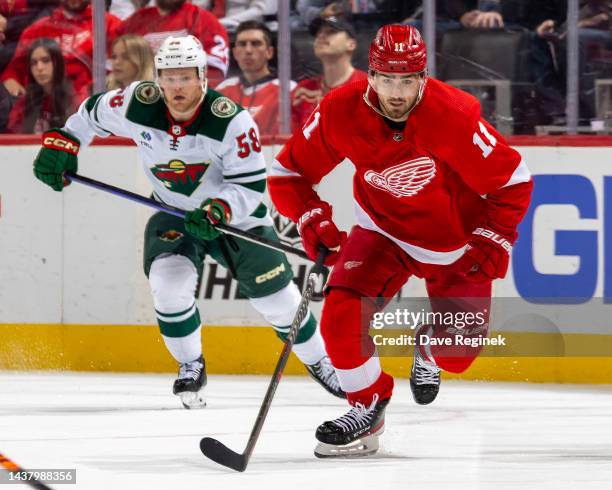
70	25
438	194
179	18
334	45
257	88
49	99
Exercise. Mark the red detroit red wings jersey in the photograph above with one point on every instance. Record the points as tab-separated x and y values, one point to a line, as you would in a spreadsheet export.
309	91
426	187
260	99
189	19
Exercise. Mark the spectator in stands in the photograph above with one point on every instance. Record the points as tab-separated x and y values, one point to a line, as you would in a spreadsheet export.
124	8
70	25
48	98
476	14
3	25
371	13
237	11
233	12
179	18
334	45
17	15
6	102
543	18
310	10
473	14
447	18
131	60
549	53
216	7
257	87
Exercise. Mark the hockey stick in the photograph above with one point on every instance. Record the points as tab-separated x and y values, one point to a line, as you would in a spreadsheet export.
152	203
12	467
219	452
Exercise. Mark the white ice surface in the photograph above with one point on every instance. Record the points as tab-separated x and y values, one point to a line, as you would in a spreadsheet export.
128	432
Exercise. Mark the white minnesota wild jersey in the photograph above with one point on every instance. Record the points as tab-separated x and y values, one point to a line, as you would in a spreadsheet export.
217	154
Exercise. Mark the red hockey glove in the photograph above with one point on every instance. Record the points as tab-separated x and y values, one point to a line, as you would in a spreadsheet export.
486	257
317	228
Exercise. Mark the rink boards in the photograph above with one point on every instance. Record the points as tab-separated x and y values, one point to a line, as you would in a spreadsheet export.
73	295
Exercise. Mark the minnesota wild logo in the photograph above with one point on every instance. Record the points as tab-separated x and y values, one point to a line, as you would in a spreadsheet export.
179	176
223	107
147	92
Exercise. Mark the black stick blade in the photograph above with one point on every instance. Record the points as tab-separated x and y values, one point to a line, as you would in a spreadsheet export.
220	453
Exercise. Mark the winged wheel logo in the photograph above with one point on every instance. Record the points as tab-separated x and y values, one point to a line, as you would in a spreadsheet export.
405	179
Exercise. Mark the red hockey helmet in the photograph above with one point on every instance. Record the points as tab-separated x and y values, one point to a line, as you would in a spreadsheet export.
398	48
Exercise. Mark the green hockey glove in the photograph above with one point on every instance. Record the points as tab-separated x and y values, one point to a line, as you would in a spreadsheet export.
201	221
58	155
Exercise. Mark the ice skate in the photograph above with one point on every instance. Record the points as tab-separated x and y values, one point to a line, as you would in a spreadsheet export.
189	386
354	433
425	376
323	372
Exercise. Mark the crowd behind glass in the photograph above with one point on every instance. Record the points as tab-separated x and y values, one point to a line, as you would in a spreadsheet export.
510	52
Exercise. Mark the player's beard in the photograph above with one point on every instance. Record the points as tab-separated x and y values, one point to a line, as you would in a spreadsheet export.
187	112
397	113
170	5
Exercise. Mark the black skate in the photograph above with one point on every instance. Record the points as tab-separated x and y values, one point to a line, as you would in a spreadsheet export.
189	385
324	373
425	376
354	434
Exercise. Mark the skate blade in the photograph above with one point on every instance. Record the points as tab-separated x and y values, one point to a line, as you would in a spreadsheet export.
361	447
192	399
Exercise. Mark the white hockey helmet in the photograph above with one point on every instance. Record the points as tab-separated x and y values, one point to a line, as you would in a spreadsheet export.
182	52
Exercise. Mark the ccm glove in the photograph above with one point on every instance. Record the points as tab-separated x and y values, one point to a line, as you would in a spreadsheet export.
317	228
201	222
486	257
57	155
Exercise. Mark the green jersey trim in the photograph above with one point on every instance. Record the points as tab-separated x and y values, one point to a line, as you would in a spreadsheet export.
245	174
152	115
208	122
257	186
211	122
260	212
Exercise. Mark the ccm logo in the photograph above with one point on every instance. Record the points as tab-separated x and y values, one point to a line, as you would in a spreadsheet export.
60	144
270	274
494	237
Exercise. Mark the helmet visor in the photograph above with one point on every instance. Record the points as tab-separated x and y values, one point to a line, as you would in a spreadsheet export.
395	85
172	79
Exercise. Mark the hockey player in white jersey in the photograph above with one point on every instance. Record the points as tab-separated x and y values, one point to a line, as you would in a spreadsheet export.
201	153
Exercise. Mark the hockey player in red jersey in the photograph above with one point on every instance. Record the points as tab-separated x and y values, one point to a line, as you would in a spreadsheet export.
438	194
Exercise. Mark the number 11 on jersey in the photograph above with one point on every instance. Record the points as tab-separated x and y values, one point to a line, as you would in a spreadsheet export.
478	141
